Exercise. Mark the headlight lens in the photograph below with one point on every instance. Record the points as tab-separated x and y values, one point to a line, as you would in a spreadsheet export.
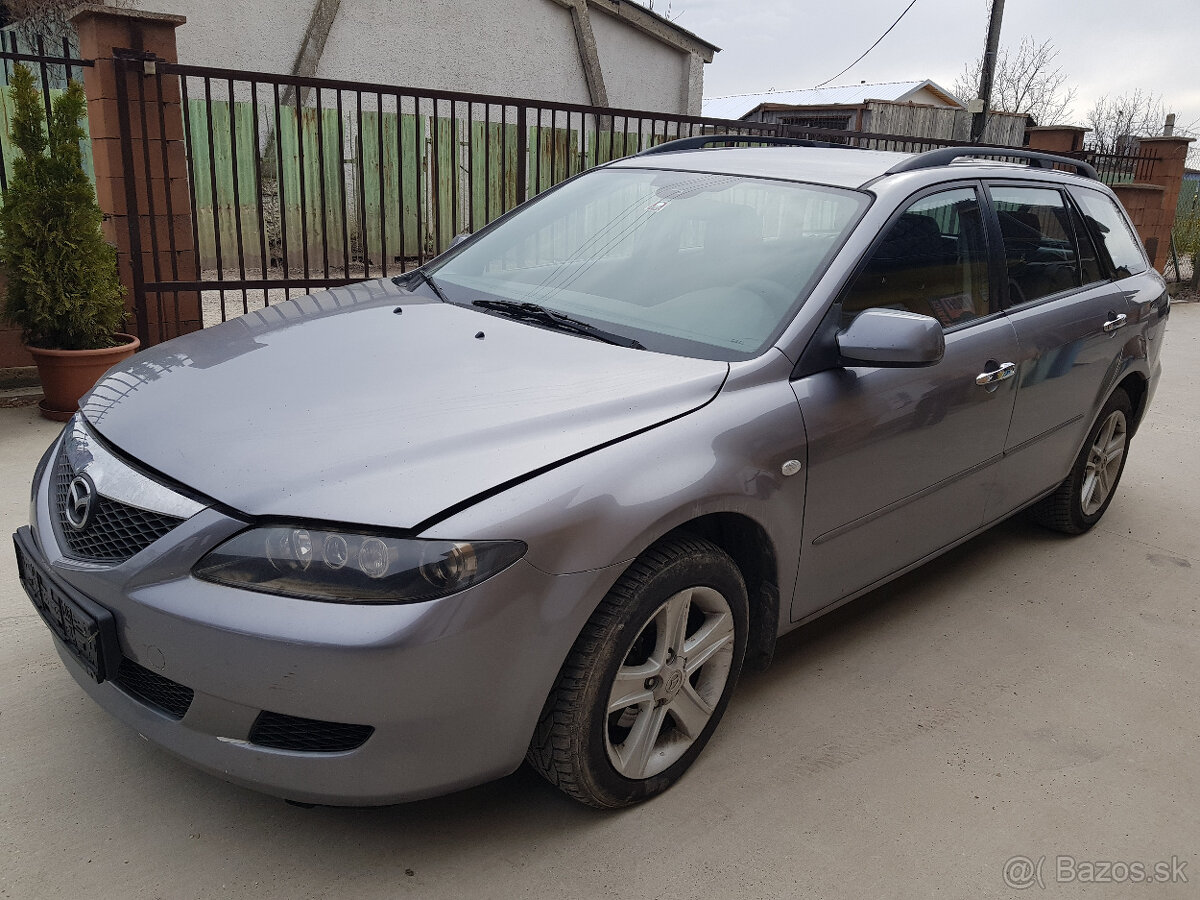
349	567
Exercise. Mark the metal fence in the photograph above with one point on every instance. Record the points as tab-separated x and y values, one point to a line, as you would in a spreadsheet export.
289	185
52	73
297	184
1120	168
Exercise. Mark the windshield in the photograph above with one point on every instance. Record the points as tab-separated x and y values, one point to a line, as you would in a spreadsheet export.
712	266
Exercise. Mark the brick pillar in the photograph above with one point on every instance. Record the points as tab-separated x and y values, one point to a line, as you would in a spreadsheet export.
1144	203
1055	138
158	197
1165	173
13	354
1167	170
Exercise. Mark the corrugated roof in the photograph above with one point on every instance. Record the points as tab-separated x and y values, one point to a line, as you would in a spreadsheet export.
738	105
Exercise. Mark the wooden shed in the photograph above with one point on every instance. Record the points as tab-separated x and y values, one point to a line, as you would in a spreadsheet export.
911	108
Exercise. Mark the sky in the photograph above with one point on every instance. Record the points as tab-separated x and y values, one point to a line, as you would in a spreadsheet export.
1106	47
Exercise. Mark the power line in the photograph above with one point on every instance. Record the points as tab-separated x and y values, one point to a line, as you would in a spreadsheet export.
872	47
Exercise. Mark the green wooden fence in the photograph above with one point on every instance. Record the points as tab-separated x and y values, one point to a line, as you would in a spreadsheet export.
335	188
1186	230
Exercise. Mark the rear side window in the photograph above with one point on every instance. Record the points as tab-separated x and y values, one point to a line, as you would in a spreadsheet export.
1040	252
1111	233
1089	260
932	261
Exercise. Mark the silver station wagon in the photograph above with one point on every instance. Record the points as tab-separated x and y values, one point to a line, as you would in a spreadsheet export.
544	497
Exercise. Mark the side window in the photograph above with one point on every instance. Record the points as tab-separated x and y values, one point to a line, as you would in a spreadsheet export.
1089	260
932	260
1039	242
1111	233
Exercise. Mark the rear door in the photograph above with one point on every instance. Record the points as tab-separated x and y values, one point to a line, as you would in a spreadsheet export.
900	459
1070	320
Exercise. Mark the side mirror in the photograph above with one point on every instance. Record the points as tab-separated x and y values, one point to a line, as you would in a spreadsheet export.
458	239
892	338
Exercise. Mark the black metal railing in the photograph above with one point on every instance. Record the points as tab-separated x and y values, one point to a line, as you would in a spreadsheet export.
291	185
1120	168
297	184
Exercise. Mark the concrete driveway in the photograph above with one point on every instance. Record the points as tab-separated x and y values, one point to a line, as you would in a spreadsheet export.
1027	695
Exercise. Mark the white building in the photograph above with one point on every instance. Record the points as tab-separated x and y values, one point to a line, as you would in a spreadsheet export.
595	52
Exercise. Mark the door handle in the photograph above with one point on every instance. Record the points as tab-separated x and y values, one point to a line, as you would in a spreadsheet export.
1117	321
1002	373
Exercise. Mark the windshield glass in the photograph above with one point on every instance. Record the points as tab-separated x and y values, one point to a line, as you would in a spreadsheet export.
712	266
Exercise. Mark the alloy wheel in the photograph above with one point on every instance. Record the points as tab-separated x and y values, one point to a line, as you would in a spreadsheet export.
1104	463
670	682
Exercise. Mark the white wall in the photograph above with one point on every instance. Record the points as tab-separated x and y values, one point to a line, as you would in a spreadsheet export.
256	35
924	95
639	71
518	48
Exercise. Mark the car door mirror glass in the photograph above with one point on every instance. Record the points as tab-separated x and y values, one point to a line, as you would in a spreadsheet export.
889	337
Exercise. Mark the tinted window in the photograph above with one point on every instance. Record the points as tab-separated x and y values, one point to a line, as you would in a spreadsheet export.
1039	242
1089	260
932	260
1112	233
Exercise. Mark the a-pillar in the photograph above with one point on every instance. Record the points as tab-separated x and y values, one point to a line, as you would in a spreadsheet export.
144	179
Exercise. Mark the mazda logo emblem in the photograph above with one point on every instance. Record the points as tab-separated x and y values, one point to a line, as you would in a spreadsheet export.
81	496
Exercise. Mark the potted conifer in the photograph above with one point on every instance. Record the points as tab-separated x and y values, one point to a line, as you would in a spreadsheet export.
63	290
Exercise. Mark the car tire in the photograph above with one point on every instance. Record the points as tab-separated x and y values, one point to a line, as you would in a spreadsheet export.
632	709
1080	501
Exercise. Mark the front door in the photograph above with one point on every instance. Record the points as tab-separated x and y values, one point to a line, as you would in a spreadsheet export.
900	460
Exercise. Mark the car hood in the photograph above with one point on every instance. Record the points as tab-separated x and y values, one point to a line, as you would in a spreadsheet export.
335	407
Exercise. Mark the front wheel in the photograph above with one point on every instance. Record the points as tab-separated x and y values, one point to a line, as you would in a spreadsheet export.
648	679
1082	498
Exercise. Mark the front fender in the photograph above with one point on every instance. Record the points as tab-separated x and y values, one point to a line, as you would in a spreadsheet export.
605	508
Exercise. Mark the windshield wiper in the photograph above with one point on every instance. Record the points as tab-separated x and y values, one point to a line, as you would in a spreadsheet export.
539	315
423	276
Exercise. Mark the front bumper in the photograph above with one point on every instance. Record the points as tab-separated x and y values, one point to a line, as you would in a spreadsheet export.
452	687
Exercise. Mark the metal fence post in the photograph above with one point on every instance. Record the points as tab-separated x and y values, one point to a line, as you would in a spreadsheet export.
522	156
122	66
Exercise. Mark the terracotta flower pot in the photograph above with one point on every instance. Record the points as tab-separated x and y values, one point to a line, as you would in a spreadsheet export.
67	375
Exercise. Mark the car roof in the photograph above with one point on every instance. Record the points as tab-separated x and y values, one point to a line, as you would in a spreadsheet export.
822	165
835	166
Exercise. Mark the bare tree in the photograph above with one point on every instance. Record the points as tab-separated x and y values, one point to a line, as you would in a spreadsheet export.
669	15
46	17
1117	122
1026	81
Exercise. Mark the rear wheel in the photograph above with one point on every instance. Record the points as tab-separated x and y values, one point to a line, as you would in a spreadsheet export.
1082	498
648	679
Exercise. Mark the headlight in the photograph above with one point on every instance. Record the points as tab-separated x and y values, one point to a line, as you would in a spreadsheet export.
349	567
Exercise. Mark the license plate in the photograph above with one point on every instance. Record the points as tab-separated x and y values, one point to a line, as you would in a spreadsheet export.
84	627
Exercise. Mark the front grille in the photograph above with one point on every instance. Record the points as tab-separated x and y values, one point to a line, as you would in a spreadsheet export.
155	690
272	729
116	531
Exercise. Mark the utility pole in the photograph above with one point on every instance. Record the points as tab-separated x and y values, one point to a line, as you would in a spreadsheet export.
981	105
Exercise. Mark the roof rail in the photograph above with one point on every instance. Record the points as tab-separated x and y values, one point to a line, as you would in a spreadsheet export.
697	143
943	156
